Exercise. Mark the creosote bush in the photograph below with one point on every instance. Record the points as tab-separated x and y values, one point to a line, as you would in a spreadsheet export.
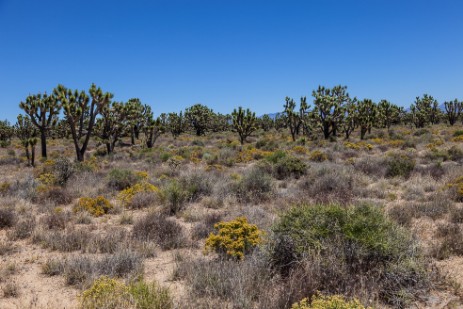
95	206
120	179
332	245
400	165
234	239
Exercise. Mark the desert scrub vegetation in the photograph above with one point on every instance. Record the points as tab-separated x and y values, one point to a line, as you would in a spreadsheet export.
95	206
333	214
335	244
234	239
111	293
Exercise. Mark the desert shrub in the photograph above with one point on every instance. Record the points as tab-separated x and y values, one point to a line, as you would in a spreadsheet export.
142	200
402	214
105	293
65	241
197	185
234	239
256	185
95	206
318	156
328	302
456	215
227	157
266	144
52	268
159	229
56	220
455	153
435	207
108	293
22	229
372	166
120	179
108	242
126	195
58	195
204	228
276	156
420	132
451	242
174	196
334	244
329	184
63	170
81	270
150	295
399	165
242	284
458	133
435	170
7	218
289	166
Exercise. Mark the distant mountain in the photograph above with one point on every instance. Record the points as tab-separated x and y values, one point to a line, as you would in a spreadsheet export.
271	115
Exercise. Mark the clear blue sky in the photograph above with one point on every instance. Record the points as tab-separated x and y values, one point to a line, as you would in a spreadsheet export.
172	54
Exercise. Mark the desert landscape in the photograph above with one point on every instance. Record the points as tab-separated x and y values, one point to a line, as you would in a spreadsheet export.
333	202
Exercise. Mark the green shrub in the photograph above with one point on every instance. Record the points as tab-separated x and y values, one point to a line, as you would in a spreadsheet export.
120	179
399	165
455	153
254	186
458	133
150	296
349	242
175	197
289	166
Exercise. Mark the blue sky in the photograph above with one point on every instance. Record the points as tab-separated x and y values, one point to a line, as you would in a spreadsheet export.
172	54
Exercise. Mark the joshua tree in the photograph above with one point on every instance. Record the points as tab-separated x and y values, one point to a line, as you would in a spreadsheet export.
176	124
453	110
135	112
387	113
244	122
266	123
329	108
26	132
199	118
152	128
43	111
80	112
366	114
349	122
6	133
110	127
293	121
422	111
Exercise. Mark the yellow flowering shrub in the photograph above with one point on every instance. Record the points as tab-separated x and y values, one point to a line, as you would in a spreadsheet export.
126	195
458	138
47	178
299	150
328	302
249	155
396	143
358	145
234	238
318	156
95	206
106	293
